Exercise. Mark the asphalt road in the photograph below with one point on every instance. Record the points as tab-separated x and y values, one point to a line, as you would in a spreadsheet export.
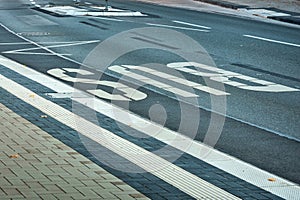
259	124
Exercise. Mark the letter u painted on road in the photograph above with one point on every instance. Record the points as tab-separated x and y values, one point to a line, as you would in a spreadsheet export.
223	76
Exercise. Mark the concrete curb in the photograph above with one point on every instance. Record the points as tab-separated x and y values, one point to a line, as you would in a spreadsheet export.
293	19
224	4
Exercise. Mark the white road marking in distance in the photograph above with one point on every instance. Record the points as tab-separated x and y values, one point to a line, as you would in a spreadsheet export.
28	43
190	24
177	27
271	40
53	46
26	51
104	18
42	47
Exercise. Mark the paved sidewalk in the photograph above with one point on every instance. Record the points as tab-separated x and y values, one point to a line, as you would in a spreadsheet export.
34	165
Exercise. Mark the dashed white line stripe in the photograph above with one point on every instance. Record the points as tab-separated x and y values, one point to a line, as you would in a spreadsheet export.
177	27
104	18
190	24
172	174
271	40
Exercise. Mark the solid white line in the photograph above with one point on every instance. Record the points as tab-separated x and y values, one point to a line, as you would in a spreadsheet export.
33	53
270	40
159	167
177	27
227	163
53	46
24	43
190	24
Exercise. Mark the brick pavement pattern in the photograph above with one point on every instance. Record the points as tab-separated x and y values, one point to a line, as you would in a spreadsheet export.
34	165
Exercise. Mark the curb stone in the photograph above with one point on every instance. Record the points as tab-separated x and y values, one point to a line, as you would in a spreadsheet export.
224	4
293	19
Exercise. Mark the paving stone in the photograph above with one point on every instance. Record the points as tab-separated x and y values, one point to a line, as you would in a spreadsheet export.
47	168
48	197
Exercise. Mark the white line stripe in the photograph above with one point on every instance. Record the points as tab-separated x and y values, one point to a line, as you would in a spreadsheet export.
227	163
53	46
177	27
33	53
104	18
270	40
172	174
190	24
28	43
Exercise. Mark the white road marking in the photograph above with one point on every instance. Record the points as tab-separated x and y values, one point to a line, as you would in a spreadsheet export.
105	18
159	167
149	81
223	76
128	92
190	24
123	70
38	45
25	51
270	40
73	11
34	53
28	43
177	27
227	163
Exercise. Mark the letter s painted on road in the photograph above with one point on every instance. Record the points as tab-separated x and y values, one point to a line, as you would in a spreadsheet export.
128	92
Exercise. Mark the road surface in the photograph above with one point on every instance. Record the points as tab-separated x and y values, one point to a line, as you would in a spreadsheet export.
232	83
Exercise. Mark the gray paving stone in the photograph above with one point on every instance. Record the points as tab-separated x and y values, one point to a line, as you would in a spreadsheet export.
48	197
28	193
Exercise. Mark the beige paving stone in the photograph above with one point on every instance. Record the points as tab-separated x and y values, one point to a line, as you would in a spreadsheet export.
45	168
